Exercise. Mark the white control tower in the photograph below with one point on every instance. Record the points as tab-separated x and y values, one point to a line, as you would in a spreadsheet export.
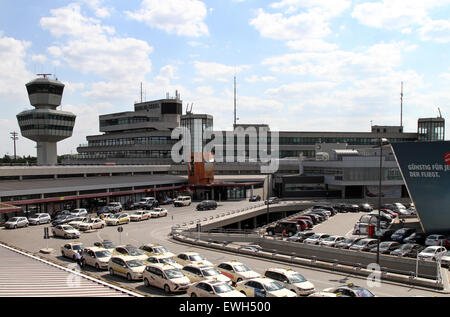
46	125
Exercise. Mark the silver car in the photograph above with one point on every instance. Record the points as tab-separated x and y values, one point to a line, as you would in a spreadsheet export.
16	222
39	219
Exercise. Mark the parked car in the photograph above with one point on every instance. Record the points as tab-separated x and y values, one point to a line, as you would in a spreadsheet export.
131	252
402	233
445	259
93	223
164	259
331	240
166	277
316	218
435	239
105	210
66	231
69	249
198	272
300	236
410	250
60	220
316	238
386	234
212	289
182	201
207	205
127	267
323	214
309	222
166	201
96	257
236	271
290	228
347	243
255	198
329	208
118	219
140	215
415	237
61	213
386	247
366	207
155	249
79	212
186	258
350	290
39	219
364	244
115	207
272	200
77	221
342	208
146	203
291	280
158	212
16	222
106	244
431	253
263	287
301	222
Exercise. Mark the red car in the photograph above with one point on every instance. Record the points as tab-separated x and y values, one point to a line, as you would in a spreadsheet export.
388	211
301	222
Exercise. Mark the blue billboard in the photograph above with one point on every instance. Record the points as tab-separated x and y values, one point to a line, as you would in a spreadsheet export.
425	167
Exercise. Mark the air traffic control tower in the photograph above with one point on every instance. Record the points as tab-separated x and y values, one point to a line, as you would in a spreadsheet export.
46	125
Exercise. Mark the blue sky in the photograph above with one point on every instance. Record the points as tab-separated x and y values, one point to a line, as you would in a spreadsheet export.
304	65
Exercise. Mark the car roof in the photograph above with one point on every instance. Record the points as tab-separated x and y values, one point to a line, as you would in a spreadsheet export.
162	266
95	249
282	271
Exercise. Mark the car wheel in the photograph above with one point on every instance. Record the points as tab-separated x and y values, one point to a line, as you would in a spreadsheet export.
96	266
65	236
193	295
167	289
146	282
238	280
129	277
243	293
38	223
111	272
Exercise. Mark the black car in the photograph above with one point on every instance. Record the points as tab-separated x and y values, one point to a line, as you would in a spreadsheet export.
386	247
416	237
166	201
365	207
272	200
386	234
300	236
150	205
402	233
207	205
62	220
347	243
331	209
105	210
317	216
62	213
289	227
409	250
341	207
255	198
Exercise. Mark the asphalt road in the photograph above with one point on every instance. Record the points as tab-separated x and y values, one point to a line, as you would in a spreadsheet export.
157	231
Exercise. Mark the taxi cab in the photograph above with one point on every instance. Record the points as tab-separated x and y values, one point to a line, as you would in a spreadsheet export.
199	272
213	289
69	249
66	231
349	290
164	259
237	271
291	280
126	266
158	212
130	251
140	215
186	258
76	222
93	223
117	219
166	277
96	257
106	244
155	249
263	287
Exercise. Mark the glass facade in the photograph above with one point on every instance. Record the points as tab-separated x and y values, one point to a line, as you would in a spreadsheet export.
431	129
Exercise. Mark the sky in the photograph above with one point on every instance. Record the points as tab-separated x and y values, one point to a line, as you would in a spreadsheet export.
301	65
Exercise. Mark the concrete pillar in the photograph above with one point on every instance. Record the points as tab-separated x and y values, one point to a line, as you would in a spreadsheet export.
78	202
46	153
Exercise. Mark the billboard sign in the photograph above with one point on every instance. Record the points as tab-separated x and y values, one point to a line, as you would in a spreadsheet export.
425	168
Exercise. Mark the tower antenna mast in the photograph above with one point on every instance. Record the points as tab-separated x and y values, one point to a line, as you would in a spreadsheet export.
401	107
234	101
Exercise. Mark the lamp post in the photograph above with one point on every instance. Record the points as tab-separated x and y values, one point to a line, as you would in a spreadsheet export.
14	137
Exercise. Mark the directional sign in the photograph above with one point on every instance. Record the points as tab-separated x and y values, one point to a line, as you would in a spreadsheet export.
120	229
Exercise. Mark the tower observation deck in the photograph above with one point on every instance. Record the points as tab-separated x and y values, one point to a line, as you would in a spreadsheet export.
46	125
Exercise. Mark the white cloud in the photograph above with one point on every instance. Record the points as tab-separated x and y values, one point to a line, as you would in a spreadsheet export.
217	71
181	17
39	58
256	79
436	30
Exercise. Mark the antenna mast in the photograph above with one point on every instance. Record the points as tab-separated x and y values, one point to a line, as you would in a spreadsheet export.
401	107
234	101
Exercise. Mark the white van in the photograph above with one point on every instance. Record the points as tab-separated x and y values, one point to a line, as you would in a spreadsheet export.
182	201
165	276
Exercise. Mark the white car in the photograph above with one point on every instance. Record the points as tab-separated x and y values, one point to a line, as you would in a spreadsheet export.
331	241
164	259
106	244
16	222
93	223
181	201
435	239
155	249
96	257
66	231
165	276
79	212
316	238
127	267
140	215
130	252
158	212
39	219
117	219
197	273
291	280
186	258
69	249
236	271
445	259
76	222
349	290
263	287
213	289
431	253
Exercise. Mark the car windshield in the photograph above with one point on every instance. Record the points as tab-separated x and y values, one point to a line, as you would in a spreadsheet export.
196	258
406	246
173	273
159	250
362	242
139	213
222	288
133	251
296	278
77	247
384	245
427	250
210	272
241	268
350	240
108	245
66	227
330	239
115	216
362	292
314	236
103	254
14	219
272	286
167	260
134	263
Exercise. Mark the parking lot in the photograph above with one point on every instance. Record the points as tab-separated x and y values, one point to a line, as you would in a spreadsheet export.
156	231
